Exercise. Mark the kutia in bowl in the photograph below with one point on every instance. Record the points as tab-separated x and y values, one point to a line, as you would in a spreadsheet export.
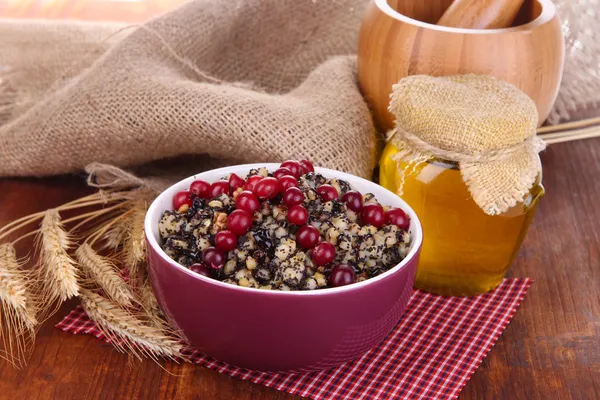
338	252
292	229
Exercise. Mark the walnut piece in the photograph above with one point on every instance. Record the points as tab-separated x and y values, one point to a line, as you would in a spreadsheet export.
219	223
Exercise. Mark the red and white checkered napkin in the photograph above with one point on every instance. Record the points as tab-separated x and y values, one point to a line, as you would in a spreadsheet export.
431	354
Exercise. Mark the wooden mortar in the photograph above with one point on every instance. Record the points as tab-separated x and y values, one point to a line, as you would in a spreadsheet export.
399	38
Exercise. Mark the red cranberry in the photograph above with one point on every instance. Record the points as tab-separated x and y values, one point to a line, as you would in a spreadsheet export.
308	236
182	198
297	215
236	182
323	253
200	188
373	214
239	222
213	257
341	275
293	196
282	172
267	188
398	217
287	181
247	201
201	269
327	192
218	188
226	240
353	200
293	166
306	167
252	181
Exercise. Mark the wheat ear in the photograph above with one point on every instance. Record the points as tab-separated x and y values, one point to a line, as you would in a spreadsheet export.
17	311
127	331
105	274
148	299
149	304
116	235
59	269
134	248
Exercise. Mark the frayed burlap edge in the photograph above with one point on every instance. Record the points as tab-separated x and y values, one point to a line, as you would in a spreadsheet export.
520	172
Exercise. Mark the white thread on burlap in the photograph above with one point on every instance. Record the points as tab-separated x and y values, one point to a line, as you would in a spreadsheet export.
103	176
485	125
506	153
109	177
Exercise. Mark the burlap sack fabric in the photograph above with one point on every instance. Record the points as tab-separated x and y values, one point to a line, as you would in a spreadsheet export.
242	81
234	81
485	125
579	94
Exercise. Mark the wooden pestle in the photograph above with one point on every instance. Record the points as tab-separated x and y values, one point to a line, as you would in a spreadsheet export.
481	14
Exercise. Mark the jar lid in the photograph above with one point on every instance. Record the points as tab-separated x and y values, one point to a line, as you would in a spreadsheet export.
486	125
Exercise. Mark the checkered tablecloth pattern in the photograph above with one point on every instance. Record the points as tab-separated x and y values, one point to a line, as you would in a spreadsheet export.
431	354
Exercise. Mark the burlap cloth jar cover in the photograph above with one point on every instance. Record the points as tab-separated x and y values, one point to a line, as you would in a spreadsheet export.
485	125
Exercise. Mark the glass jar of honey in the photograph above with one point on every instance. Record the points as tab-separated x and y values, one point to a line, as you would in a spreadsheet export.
465	251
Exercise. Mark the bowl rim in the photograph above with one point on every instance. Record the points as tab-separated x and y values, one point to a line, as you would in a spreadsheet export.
548	12
415	230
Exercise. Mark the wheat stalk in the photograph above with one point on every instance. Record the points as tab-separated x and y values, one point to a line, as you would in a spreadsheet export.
59	269
105	274
568	136
569	125
128	331
95	199
17	311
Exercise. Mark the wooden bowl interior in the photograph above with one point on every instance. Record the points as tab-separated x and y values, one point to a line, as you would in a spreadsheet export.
430	11
529	11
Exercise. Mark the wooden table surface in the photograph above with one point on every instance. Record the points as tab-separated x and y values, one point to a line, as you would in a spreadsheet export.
551	350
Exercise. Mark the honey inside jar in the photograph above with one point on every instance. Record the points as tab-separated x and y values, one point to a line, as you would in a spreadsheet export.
465	251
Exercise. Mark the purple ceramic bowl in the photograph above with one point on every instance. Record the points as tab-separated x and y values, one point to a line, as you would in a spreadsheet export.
275	330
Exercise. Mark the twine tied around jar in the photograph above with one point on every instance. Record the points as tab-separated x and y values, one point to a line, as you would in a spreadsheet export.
486	125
